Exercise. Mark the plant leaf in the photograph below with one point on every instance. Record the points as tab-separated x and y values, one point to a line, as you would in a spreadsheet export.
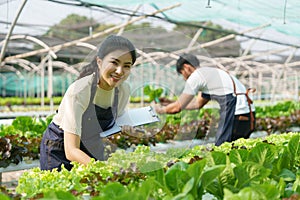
296	185
287	175
238	156
58	195
210	174
112	190
147	89
248	171
294	148
219	158
264	154
176	177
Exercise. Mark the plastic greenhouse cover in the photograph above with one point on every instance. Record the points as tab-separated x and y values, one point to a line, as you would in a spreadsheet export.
283	16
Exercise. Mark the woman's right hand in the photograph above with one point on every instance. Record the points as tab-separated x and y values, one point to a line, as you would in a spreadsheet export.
127	129
133	131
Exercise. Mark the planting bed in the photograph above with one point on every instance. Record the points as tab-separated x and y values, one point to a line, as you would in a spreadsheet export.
178	160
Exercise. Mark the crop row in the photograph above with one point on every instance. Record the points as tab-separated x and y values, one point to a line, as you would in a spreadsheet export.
21	139
246	169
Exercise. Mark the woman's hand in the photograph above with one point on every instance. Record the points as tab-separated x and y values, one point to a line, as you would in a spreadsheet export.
127	129
133	131
72	149
159	108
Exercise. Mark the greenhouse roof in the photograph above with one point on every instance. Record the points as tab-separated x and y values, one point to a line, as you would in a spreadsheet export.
269	67
282	16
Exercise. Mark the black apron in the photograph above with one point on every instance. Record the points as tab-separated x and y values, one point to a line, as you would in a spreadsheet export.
94	120
227	109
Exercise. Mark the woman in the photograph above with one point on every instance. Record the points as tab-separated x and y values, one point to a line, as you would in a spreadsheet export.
90	105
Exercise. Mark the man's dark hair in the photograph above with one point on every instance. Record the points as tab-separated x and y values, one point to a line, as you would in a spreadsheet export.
186	59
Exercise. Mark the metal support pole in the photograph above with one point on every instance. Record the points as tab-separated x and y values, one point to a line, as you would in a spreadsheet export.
50	82
11	30
42	85
296	86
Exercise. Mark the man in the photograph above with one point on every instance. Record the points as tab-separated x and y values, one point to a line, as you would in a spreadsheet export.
237	117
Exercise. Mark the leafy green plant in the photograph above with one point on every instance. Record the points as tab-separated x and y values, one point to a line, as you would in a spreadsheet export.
278	110
5	101
241	170
26	132
21	139
153	93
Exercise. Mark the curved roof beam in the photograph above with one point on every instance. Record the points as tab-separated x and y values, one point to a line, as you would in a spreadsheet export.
11	68
211	43
239	62
64	66
214	61
289	58
147	56
96	35
33	39
290	65
27	65
263	65
3	49
58	64
21	64
86	45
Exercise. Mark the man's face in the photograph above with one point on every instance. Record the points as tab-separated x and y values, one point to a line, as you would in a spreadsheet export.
186	71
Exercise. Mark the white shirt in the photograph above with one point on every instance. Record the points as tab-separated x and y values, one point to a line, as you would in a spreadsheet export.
76	101
214	81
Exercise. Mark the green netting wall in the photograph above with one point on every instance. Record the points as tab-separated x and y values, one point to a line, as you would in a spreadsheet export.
30	85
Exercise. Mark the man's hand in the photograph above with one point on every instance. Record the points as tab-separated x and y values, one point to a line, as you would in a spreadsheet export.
164	101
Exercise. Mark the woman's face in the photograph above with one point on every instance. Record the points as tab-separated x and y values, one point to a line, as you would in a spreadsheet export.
114	68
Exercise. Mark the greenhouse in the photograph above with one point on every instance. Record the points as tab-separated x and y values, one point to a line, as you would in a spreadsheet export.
46	46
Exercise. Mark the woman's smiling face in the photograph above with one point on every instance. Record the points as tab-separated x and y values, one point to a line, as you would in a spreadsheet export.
114	68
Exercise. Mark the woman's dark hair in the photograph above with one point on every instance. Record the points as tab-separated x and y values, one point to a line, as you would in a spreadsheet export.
110	44
186	59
